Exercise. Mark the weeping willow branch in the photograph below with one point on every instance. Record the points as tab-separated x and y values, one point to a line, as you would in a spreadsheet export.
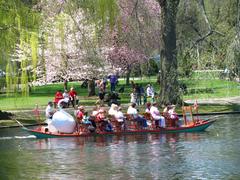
210	29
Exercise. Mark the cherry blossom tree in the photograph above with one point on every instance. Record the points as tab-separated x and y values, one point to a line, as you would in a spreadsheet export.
136	38
71	50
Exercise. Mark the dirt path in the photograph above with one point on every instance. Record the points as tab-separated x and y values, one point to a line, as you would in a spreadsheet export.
222	101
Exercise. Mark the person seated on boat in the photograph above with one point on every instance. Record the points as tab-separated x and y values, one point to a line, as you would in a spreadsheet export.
58	97
87	121
102	120
134	112
148	107
173	115
113	109
166	109
49	111
119	115
95	111
116	112
79	115
66	98
159	120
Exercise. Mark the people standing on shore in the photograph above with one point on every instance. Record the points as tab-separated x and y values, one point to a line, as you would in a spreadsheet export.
73	97
150	92
113	81
58	97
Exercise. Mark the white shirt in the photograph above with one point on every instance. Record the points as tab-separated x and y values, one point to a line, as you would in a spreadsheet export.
49	111
150	91
147	110
119	116
66	97
112	111
132	111
155	112
133	98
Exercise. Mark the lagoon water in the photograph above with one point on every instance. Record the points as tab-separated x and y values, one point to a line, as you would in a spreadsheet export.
213	154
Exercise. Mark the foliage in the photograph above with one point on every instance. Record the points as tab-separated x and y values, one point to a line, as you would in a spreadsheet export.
17	22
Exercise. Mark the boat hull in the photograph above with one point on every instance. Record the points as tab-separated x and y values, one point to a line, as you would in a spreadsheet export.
194	128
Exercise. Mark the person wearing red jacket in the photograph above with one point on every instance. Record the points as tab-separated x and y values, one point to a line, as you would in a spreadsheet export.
58	97
73	97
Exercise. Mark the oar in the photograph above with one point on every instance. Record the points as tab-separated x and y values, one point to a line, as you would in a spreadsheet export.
20	124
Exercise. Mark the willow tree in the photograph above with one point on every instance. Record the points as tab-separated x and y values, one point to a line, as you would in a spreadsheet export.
18	34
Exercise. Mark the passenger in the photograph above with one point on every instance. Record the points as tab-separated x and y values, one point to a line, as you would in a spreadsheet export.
166	108
85	119
133	111
49	111
119	115
95	111
79	115
113	109
87	122
173	115
116	112
101	118
93	115
159	120
58	97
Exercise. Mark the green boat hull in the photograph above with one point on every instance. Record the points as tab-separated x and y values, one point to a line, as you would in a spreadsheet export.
195	128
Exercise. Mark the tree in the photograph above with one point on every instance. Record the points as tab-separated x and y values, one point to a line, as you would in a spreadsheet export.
131	43
72	50
169	92
124	58
18	31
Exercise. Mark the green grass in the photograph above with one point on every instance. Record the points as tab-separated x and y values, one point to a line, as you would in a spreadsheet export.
196	90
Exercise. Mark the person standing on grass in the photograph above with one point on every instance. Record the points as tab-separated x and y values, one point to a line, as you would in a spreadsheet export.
65	83
73	97
150	92
113	81
58	97
138	93
133	96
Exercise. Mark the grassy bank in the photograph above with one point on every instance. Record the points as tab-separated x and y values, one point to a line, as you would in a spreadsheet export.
196	89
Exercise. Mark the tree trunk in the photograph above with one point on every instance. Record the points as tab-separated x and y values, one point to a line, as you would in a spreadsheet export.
128	76
169	92
91	88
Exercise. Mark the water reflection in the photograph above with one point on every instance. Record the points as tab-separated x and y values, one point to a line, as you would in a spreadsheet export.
213	154
102	141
